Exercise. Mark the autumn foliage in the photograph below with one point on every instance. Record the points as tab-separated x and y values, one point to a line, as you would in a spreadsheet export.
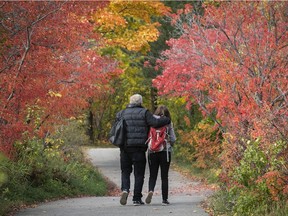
128	28
128	24
232	62
48	67
229	59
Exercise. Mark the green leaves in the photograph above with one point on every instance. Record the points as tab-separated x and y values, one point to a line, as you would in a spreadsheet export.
252	165
3	174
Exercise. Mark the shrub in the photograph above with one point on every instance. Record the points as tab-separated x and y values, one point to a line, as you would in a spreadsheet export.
44	170
257	185
200	146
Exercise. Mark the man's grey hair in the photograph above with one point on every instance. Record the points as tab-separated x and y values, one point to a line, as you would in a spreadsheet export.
136	99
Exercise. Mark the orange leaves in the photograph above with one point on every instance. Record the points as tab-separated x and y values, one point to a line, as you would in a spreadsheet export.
109	21
201	145
129	24
276	183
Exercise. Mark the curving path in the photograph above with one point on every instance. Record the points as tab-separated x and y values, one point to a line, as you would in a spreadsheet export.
185	195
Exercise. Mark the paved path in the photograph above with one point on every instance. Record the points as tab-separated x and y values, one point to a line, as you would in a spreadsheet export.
184	195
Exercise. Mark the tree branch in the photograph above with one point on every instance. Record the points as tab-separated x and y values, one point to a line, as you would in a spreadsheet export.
27	46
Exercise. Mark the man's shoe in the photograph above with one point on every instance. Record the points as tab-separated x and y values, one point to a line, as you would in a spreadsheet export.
138	202
123	198
165	203
149	197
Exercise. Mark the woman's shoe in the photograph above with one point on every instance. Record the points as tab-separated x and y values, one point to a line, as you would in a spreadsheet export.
149	197
123	198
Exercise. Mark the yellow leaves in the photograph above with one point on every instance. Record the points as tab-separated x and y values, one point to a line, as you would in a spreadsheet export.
54	94
203	126
53	147
139	9
128	23
108	20
138	40
127	26
49	140
149	33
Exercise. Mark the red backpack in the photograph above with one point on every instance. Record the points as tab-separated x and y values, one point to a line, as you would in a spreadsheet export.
157	139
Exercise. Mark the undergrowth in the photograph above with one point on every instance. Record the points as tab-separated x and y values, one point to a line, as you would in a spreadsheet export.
46	170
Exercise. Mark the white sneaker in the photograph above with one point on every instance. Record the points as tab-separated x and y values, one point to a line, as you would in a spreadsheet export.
123	198
149	197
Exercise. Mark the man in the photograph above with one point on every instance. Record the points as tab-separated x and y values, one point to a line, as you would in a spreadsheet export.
132	154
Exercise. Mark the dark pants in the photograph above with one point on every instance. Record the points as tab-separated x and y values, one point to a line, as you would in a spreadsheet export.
130	160
156	160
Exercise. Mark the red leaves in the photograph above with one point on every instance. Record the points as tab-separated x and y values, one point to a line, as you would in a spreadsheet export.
236	58
233	60
47	65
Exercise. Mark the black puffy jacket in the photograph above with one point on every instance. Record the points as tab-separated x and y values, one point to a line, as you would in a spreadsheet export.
138	121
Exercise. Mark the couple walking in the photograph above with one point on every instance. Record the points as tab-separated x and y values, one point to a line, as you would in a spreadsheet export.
133	153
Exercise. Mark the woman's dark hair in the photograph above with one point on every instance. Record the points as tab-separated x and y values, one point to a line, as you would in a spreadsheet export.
162	110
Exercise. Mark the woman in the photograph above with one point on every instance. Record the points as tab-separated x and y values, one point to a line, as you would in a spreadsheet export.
161	159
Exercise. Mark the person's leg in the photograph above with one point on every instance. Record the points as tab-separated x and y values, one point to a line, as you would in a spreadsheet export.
164	173
139	162
126	170
154	162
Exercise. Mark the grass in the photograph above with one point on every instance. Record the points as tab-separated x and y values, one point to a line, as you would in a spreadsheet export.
210	176
67	179
223	203
41	173
19	194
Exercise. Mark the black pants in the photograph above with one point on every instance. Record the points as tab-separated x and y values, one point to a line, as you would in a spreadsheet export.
156	160
130	160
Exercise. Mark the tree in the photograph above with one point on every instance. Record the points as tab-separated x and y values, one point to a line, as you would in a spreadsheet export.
233	65
233	62
128	28
129	24
167	31
48	67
